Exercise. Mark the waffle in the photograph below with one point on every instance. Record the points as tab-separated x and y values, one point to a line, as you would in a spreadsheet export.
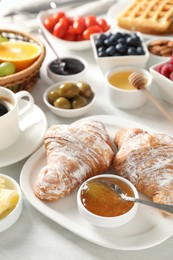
148	16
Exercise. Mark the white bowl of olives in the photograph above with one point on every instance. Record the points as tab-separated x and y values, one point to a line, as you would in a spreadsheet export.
69	98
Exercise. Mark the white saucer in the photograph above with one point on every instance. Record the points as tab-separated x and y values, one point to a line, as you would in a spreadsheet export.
35	126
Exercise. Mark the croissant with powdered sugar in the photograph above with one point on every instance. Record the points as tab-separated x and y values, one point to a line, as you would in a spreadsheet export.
146	160
75	153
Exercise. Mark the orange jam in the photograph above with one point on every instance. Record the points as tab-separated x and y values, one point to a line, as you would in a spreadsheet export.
99	199
120	80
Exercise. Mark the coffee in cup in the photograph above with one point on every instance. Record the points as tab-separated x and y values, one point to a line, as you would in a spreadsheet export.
11	115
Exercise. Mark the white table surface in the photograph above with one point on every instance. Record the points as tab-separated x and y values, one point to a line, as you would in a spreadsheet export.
34	236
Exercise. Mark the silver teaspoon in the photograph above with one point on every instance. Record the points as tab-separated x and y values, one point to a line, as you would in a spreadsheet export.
59	63
117	189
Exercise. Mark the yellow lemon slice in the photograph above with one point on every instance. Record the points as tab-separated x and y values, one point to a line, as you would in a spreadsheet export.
21	54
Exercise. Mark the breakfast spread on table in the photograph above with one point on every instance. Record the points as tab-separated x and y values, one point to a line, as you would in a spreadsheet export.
78	151
150	17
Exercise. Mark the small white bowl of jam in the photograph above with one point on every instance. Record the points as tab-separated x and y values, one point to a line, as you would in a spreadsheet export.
120	92
75	68
11	201
101	206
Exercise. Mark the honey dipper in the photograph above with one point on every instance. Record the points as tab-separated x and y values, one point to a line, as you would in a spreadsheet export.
137	80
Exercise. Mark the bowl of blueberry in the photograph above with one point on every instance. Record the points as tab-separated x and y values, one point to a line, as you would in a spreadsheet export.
118	49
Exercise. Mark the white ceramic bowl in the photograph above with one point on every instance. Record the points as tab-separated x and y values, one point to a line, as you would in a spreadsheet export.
12	217
102	221
72	45
154	59
77	76
126	99
69	113
110	62
165	85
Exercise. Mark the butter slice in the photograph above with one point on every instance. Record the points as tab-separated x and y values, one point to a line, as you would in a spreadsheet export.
8	199
2	182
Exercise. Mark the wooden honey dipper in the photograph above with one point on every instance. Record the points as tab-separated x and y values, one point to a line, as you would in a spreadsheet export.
137	80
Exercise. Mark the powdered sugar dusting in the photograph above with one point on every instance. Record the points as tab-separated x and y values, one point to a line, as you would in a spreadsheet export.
147	161
74	153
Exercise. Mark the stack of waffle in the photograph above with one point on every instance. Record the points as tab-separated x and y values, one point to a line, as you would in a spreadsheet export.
148	16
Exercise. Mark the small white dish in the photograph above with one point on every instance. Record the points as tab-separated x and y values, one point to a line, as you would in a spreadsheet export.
35	126
165	85
72	45
68	113
110	62
154	59
100	220
126	99
81	75
12	217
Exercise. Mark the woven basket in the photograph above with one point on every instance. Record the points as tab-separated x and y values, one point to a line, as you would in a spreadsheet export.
25	79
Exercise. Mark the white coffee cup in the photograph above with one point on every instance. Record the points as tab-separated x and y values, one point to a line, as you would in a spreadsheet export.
11	121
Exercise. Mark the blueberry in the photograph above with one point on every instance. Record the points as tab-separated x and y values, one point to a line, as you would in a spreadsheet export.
132	41
102	37
121	48
101	48
126	35
140	51
131	51
102	54
98	43
107	42
110	51
135	36
121	40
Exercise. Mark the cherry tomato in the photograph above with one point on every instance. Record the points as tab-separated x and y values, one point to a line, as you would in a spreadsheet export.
90	30
79	37
70	34
60	28
90	20
79	24
102	23
49	24
57	16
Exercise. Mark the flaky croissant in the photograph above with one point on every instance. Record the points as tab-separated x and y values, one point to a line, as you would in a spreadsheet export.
147	161
75	153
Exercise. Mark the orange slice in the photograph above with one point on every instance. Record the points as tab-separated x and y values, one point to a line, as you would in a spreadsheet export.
21	54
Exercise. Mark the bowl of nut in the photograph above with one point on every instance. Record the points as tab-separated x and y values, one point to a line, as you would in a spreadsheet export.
69	98
118	48
162	74
160	49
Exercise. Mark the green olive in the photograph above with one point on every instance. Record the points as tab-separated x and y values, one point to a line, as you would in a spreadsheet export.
79	101
62	102
53	95
68	90
85	89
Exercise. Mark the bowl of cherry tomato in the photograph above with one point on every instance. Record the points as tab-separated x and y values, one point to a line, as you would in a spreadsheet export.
71	32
